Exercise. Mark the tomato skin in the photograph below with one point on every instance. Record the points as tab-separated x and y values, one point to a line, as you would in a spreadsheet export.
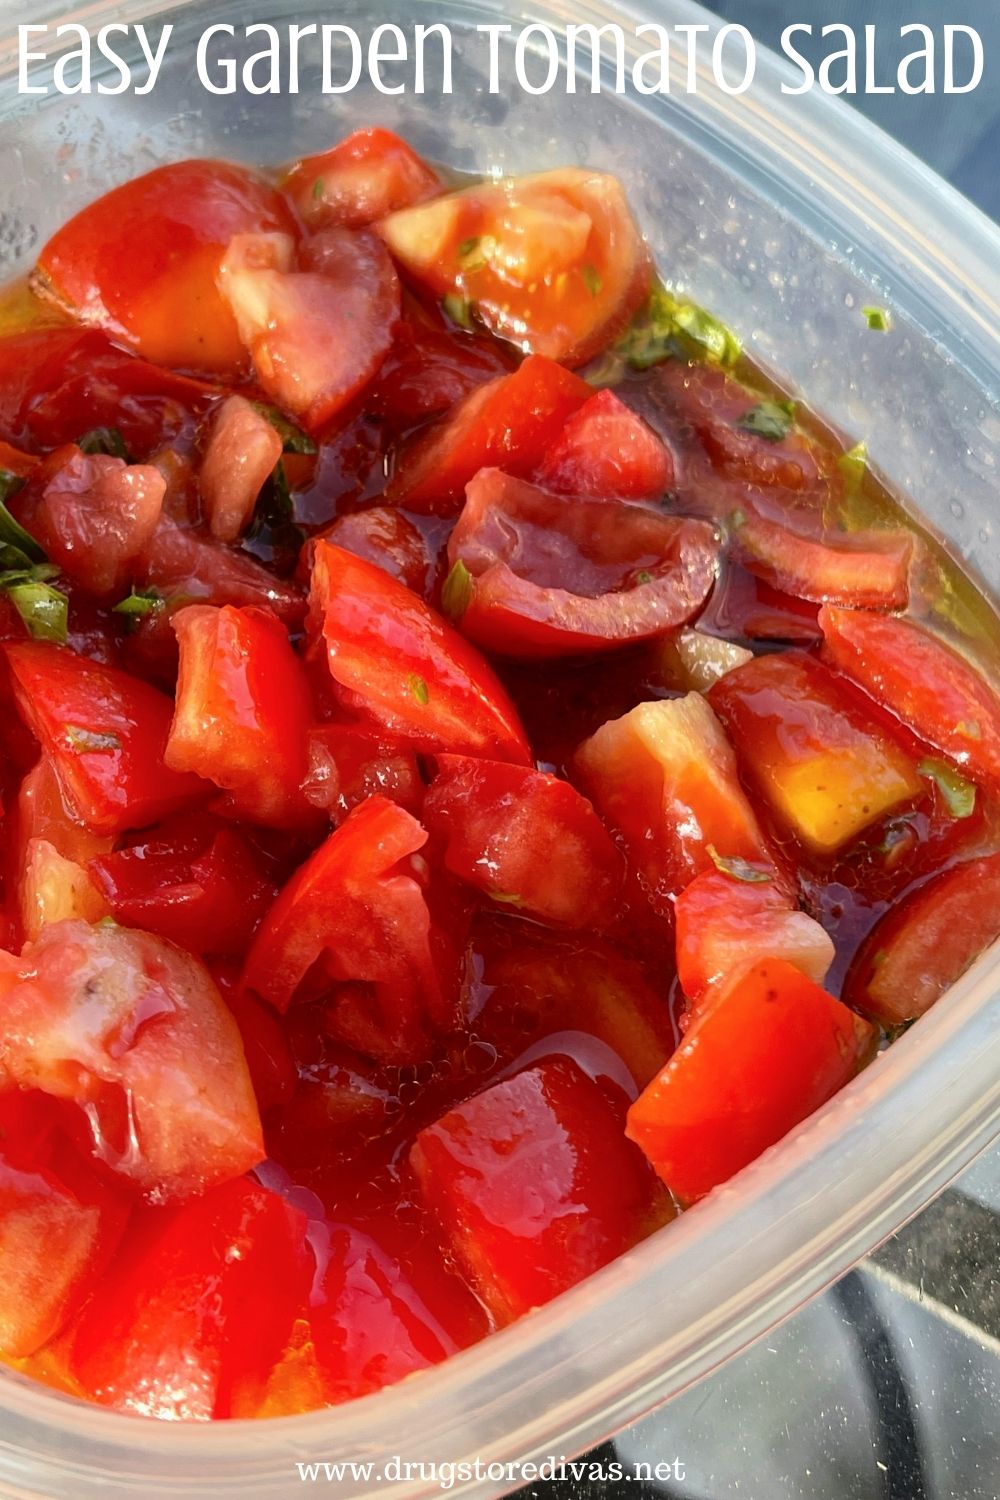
526	840
179	561
134	1028
385	537
924	943
827	771
431	368
354	904
404	666
608	452
763	1051
242	713
93	515
869	569
316	334
509	423
348	763
104	733
199	1307
265	1043
923	681
13	461
664	775
362	178
553	261
554	576
141	262
242	449
724	922
534	1184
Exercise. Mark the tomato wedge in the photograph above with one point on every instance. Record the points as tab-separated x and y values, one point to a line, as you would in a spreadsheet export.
527	840
133	1029
866	569
923	681
608	452
546	575
199	1309
386	537
104	733
242	449
664	775
405	667
93	515
316	333
827	771
523	1235
50	851
141	262
431	367
242	712
357	903
362	178
724	920
764	1051
927	941
553	261
510	422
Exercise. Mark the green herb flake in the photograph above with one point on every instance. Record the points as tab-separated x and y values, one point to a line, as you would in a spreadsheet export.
91	741
959	795
669	328
877	318
293	439
969	729
317	189
44	610
456	595
418	688
138	603
592	279
106	440
643	576
506	898
853	465
736	868
771	420
458	309
19	547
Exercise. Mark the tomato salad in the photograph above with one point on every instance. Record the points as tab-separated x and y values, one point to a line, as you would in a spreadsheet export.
479	764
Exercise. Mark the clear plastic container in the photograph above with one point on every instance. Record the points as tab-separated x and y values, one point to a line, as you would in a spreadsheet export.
785	216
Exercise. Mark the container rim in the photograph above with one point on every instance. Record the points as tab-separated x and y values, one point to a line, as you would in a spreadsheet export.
801	1215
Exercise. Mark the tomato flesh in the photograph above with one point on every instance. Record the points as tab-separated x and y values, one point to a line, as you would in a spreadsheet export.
362	178
869	570
242	449
608	452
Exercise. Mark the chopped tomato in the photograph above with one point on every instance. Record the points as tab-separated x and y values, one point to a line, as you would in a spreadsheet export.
93	515
926	942
431	367
925	682
265	1042
178	561
316	333
104	733
367	175
607	451
724	920
202	887
665	777
357	904
199	1307
550	575
825	769
243	712
864	569
242	450
405	667
527	840
133	1030
141	262
510	422
53	888
764	1051
13	461
348	763
553	261
385	537
746	608
534	1185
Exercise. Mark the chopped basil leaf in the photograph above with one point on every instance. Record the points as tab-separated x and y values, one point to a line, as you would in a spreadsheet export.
668	328
877	319
592	280
769	419
738	869
19	546
91	741
140	602
458	309
104	440
854	465
608	369
456	595
418	688
959	795
643	576
317	188
294	440
273	521
44	610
